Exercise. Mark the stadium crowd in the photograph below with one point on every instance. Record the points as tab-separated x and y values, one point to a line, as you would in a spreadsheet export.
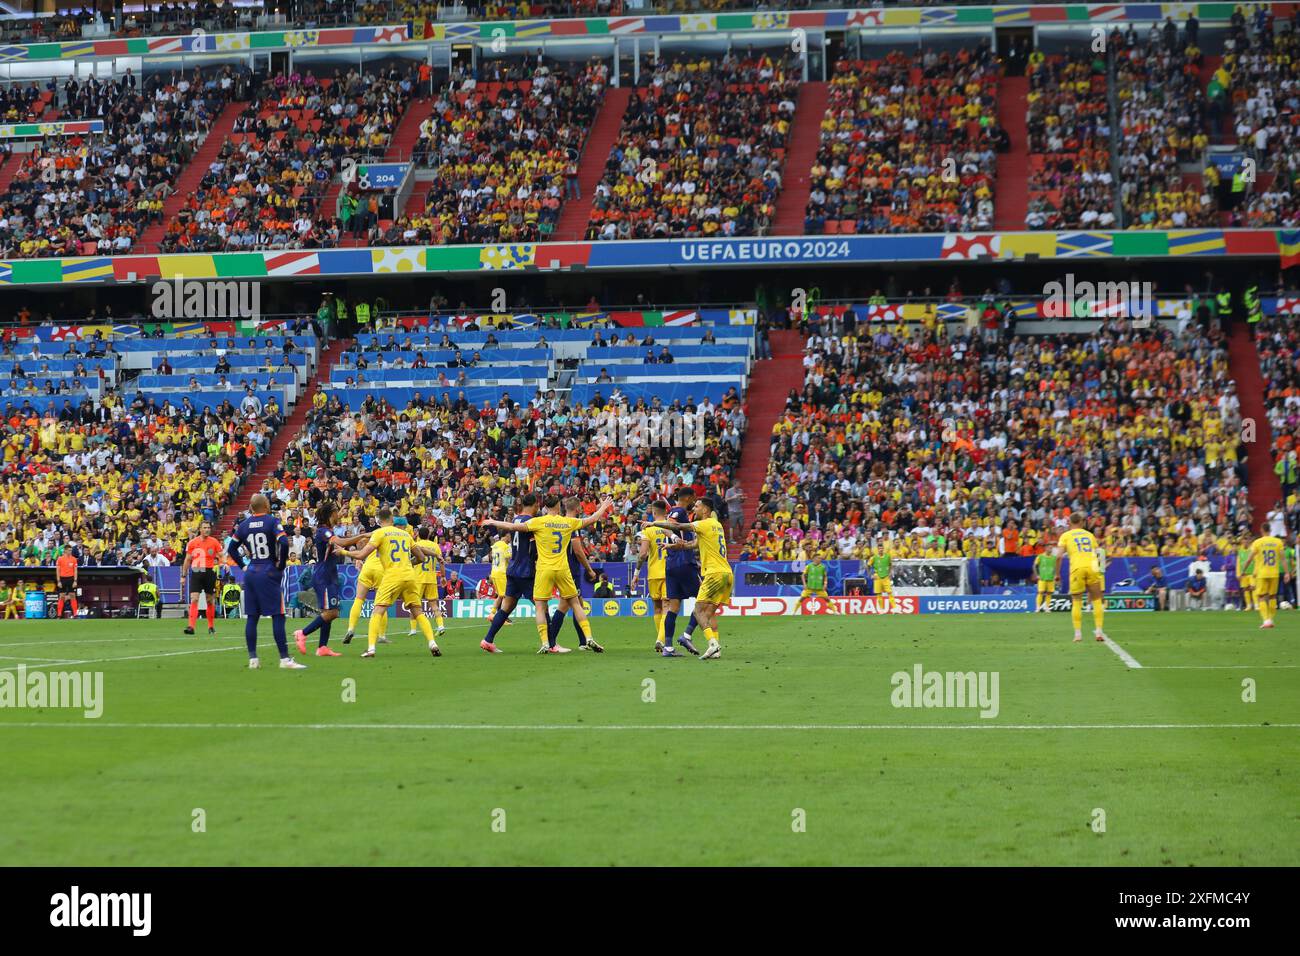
1070	182
505	151
264	189
969	444
908	144
96	193
121	482
700	150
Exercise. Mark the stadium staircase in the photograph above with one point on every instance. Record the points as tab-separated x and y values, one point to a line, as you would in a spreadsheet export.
187	184
9	169
1011	197
402	144
574	215
1263	486
274	456
766	401
805	137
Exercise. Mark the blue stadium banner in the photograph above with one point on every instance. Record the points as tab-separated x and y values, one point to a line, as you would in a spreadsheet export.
381	175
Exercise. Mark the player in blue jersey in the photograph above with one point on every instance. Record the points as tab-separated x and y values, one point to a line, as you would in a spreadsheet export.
262	538
683	577
579	567
519	572
325	580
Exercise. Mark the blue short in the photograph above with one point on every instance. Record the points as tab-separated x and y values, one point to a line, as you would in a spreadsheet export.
327	593
683	582
519	587
262	594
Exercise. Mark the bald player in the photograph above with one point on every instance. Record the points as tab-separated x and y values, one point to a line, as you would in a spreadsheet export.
263	539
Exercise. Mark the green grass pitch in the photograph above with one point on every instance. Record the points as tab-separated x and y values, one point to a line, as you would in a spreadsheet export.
524	759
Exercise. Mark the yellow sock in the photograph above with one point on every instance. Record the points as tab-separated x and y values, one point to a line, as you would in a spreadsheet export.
442	621
354	615
659	627
711	633
585	626
378	624
425	627
543	631
1076	612
1098	611
1261	604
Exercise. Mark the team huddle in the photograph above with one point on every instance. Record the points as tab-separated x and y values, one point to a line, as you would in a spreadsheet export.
539	556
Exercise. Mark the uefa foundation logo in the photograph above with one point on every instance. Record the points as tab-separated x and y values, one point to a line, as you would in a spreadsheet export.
669	431
1100	300
183	298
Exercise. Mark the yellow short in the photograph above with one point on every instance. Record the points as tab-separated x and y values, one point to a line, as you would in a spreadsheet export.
716	588
404	587
1084	579
809	592
429	591
369	580
1247	582
547	581
1266	587
882	586
499	583
658	588
1046	587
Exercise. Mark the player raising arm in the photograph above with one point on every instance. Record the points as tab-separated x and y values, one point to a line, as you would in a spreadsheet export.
551	532
398	555
325	580
1086	574
579	564
261	536
715	589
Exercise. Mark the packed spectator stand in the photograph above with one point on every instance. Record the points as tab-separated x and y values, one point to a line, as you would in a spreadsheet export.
908	144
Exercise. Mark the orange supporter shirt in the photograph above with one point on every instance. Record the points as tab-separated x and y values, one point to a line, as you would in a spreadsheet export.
66	565
203	553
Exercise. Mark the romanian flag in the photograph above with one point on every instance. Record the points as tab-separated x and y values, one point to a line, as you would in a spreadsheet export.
1288	247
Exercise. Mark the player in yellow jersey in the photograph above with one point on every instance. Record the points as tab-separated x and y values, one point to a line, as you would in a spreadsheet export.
652	554
717	577
369	578
430	573
400	557
500	561
1268	562
552	531
1086	575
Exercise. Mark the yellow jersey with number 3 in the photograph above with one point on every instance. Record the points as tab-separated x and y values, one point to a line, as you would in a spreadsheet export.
393	545
1081	548
712	542
1266	556
552	534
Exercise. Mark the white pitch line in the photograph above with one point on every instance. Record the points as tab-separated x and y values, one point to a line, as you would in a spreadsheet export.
115	640
645	727
1125	656
48	660
1218	667
133	657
